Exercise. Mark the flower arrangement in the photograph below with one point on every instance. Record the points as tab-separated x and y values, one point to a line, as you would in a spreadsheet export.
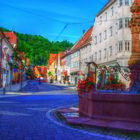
85	85
111	83
115	85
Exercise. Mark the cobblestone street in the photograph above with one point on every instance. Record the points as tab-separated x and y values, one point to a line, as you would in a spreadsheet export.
24	117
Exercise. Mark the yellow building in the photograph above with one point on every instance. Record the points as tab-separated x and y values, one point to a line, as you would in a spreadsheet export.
51	66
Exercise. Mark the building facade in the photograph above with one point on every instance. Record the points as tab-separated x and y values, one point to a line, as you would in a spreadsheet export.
51	75
111	37
78	56
86	55
107	44
6	58
74	66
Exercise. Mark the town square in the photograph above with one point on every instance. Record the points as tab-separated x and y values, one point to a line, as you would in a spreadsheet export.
70	70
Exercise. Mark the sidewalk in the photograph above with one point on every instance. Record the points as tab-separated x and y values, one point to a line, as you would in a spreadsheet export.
65	85
72	117
13	88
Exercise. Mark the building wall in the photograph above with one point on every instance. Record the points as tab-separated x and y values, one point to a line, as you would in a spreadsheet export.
111	35
7	57
85	56
68	63
75	62
74	69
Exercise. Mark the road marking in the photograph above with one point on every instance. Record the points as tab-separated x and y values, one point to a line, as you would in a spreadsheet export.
13	113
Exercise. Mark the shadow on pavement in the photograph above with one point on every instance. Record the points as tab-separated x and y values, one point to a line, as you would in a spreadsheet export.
35	86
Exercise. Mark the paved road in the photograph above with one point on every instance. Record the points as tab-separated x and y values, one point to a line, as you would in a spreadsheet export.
25	117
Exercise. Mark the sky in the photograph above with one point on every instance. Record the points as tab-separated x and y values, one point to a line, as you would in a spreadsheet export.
55	20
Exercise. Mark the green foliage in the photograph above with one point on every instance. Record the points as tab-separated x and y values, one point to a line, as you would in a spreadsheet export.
30	74
50	73
38	48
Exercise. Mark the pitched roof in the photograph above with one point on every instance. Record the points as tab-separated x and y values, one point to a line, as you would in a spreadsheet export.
11	37
61	54
4	36
109	3
86	38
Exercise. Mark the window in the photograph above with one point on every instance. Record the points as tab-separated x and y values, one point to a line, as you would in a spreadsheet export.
95	56
111	31
100	37
120	23
120	2
116	28
105	16
112	11
110	50
95	40
90	48
100	55
77	64
127	45
105	53
105	34
126	22
120	46
127	2
92	58
100	19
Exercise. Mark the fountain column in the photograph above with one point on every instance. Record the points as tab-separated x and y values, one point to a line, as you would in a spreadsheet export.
134	61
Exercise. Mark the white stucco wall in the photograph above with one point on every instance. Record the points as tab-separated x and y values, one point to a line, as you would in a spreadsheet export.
104	24
7	73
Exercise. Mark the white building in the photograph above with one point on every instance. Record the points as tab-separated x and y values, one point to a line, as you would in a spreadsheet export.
7	52
74	65
78	57
86	52
111	43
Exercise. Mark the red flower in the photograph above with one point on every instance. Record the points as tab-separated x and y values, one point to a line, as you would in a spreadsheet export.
85	85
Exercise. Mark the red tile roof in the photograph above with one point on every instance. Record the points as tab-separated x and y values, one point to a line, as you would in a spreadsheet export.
11	37
61	54
86	38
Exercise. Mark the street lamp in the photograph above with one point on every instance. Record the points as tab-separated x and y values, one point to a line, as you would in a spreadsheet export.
22	70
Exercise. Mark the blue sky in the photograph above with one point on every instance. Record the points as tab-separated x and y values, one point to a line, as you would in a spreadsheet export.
49	17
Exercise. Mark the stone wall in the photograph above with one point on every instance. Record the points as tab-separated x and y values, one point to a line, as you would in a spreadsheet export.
123	107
